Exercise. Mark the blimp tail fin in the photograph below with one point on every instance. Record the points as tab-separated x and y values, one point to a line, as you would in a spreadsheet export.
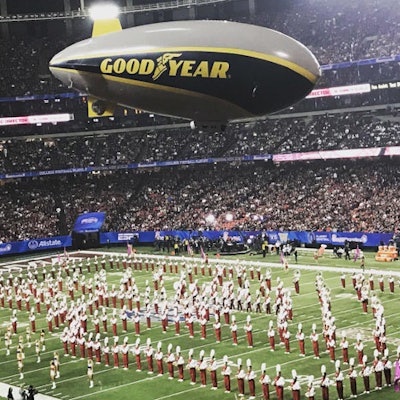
103	26
98	108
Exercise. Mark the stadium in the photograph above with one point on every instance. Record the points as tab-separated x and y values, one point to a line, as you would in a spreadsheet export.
143	258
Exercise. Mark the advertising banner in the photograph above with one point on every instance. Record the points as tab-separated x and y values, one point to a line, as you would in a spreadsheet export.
89	222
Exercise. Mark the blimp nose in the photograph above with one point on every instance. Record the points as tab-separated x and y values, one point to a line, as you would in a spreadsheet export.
57	68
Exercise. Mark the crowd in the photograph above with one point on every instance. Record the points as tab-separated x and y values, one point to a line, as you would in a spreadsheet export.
270	136
343	196
335	196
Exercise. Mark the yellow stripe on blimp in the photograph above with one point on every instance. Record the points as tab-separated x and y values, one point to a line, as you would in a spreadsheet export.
222	50
156	86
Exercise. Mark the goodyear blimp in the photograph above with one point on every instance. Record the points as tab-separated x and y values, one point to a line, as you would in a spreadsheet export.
210	72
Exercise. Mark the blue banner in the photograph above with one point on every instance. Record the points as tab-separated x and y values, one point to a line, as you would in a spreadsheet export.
361	238
89	222
35	244
307	238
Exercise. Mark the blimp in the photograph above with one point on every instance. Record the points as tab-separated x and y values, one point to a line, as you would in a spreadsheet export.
206	71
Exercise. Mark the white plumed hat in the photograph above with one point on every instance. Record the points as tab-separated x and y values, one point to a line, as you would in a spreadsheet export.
263	367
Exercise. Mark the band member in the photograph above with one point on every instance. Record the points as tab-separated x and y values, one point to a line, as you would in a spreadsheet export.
250	377
324	383
249	332
104	319
344	344
106	352
353	378
65	340
115	351
177	320
365	373
72	342
217	329
136	351
191	365
226	373
339	380
331	347
378	369
159	359
296	281
265	381
286	340
170	362
202	365
234	331
180	362
149	355
279	383
32	319
300	338
314	340
97	348
295	386
82	346
190	325
125	353
387	368
343	280
310	393
240	377
359	346
114	322
271	335
90	371
213	370
89	346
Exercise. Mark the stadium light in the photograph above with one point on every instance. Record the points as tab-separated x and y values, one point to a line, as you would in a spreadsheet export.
104	11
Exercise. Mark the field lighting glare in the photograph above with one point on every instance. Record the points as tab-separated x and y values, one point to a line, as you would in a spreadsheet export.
210	219
103	11
229	217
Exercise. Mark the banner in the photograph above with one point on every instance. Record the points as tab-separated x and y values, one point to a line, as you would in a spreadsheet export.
363	239
35	244
89	222
301	237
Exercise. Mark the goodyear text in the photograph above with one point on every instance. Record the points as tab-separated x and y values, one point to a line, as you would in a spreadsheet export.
169	63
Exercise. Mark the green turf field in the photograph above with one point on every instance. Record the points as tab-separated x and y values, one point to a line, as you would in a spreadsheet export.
120	384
